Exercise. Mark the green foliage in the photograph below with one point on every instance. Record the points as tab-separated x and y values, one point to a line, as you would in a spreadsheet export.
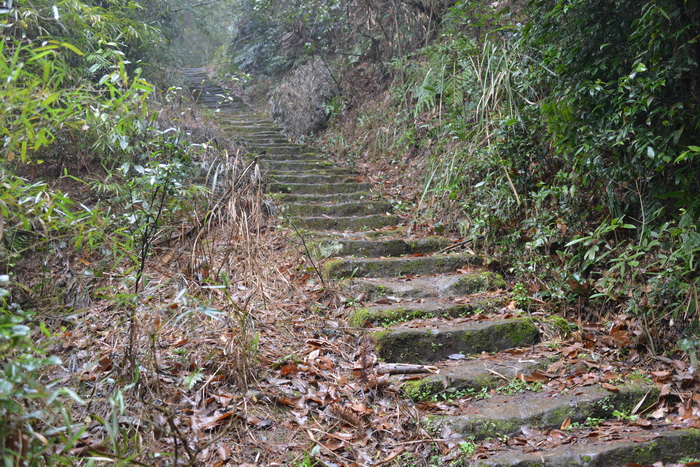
69	82
568	146
624	415
621	103
515	386
34	421
467	447
35	103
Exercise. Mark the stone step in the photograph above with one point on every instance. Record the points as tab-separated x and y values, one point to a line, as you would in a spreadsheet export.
261	124
459	378
321	170
297	162
423	286
278	140
321	189
322	198
221	102
504	415
223	116
222	106
250	129
261	133
403	266
326	248
653	446
388	314
403	344
278	149
353	208
313	178
352	223
218	100
285	148
250	119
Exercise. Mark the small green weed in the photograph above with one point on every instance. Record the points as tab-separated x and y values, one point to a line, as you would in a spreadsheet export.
590	422
468	446
624	415
471	393
516	386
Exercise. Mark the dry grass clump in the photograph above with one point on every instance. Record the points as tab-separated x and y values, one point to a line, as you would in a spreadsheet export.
298	102
160	354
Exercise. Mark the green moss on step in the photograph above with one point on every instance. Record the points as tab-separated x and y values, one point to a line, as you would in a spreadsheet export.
422	345
522	330
557	326
330	266
328	248
474	283
421	389
428	244
358	317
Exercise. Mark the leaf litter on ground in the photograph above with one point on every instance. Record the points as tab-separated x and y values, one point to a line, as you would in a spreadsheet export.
307	382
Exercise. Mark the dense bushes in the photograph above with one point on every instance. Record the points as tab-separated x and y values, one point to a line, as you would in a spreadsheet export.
623	97
560	134
75	122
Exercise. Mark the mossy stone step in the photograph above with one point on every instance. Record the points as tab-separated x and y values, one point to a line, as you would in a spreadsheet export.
437	286
300	165
251	128
240	132
301	158
326	248
354	223
321	170
321	189
218	98
283	146
221	103
262	126
265	134
278	149
223	106
267	140
313	178
662	445
434	343
352	208
392	267
322	198
385	315
456	377
245	114
249	119
506	414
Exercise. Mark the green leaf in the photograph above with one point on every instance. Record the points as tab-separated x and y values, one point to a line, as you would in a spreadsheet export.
72	48
193	378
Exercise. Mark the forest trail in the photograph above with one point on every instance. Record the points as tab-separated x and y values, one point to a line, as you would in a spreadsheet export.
494	379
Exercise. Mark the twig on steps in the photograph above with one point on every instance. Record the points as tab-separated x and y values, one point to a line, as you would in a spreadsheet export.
405	368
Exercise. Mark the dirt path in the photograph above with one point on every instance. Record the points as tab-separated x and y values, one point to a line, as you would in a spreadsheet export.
483	382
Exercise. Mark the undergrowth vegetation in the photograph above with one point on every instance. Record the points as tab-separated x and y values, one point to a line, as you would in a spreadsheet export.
570	157
560	135
101	173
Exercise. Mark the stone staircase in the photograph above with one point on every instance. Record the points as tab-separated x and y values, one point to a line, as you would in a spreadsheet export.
425	302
